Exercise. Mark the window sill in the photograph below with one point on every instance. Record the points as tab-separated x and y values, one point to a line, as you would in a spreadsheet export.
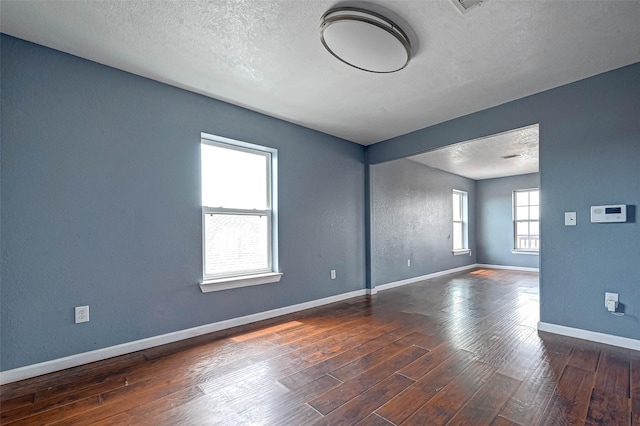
460	252
529	252
237	282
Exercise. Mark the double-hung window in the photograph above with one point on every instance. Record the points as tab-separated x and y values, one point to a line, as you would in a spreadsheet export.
526	220
238	219
460	222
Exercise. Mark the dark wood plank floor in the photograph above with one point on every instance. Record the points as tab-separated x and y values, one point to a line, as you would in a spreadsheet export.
460	349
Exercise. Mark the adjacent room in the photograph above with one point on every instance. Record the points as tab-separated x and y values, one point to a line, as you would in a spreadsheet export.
464	204
290	212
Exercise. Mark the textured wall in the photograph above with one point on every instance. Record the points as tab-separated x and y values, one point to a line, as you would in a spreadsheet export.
494	229
101	207
589	155
412	214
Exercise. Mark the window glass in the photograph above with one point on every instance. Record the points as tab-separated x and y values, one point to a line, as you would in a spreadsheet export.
457	236
534	213
460	220
526	216
238	219
235	243
233	179
522	198
534	228
522	228
457	206
522	213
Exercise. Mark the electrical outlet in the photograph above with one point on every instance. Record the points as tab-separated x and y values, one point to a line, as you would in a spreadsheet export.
409	262
610	297
82	314
333	274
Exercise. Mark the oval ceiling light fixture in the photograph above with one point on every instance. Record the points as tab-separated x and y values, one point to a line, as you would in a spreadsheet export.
365	40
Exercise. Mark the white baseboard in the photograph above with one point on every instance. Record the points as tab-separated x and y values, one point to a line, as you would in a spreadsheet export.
511	268
46	367
594	336
422	277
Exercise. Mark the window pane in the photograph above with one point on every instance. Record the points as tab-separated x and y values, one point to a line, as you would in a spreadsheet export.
522	198
522	213
523	242
527	216
233	179
522	228
534	228
534	212
457	206
534	242
457	236
235	243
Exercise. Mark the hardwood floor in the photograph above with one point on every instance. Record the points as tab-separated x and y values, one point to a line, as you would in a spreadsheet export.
460	349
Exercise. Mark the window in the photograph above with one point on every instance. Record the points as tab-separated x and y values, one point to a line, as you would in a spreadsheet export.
460	222
526	220
238	219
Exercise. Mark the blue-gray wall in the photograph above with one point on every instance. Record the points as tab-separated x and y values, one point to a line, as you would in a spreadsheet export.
412	213
101	206
100	202
589	155
494	229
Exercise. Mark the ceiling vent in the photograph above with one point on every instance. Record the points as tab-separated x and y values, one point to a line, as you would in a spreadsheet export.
464	5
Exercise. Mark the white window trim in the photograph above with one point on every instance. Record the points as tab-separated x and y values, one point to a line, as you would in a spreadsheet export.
461	252
464	199
237	282
525	251
212	283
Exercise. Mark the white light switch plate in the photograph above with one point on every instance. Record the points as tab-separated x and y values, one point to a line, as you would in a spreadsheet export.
569	218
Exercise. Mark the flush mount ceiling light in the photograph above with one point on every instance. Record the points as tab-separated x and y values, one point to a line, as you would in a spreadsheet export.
365	40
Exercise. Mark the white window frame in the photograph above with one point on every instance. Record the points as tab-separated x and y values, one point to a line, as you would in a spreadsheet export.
464	210
248	277
516	220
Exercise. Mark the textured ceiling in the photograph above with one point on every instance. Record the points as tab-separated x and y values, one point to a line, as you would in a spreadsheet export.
266	55
483	158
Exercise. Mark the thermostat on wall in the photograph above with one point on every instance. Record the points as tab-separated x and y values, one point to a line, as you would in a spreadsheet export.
612	213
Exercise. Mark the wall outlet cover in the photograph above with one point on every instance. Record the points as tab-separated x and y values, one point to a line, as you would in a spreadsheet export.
82	314
610	296
570	219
